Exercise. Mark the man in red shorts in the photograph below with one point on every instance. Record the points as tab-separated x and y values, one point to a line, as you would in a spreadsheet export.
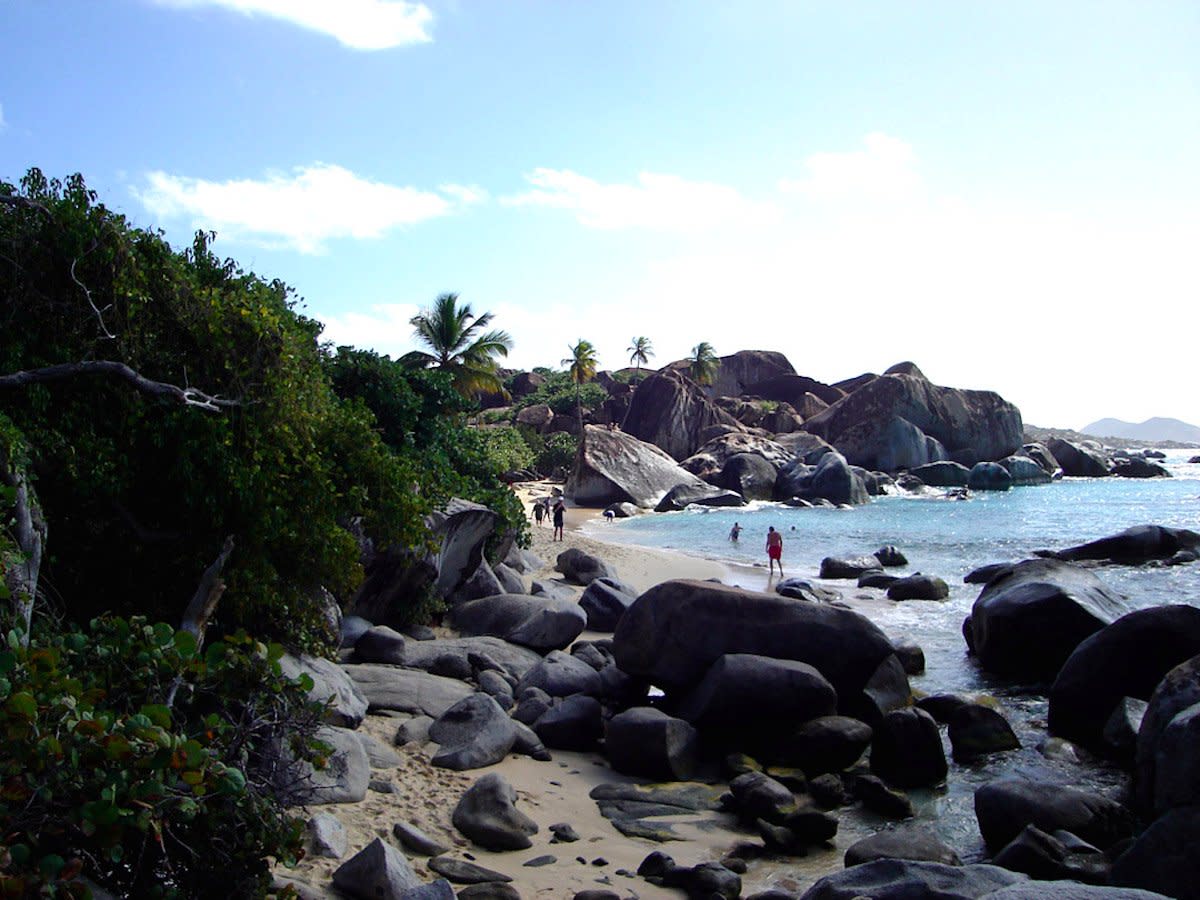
775	549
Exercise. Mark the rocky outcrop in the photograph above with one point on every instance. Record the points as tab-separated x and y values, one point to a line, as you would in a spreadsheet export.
670	411
676	630
1028	619
749	475
738	371
615	467
881	425
684	495
831	479
708	461
943	473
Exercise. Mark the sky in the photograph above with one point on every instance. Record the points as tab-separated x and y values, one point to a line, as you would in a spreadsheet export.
1007	194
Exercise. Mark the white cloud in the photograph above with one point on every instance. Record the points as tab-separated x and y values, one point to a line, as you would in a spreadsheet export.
885	169
3	124
656	202
303	210
358	24
384	328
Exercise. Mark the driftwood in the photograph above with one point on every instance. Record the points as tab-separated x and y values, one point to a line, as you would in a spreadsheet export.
202	606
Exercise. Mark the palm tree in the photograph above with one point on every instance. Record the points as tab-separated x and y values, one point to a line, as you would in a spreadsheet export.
640	352
452	332
582	363
703	363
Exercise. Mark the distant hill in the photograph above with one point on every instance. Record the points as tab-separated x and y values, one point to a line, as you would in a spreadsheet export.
1158	429
1037	433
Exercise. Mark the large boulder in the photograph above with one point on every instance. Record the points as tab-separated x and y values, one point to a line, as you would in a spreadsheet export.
745	697
377	872
862	427
464	528
1025	471
331	685
1041	455
1138	467
539	623
826	744
345	777
615	467
989	476
675	631
901	879
473	733
1005	806
672	412
906	841
487	814
561	675
708	461
1125	659
1028	619
750	475
943	474
393	578
605	601
1164	858
918	587
1079	460
579	567
406	690
647	742
572	724
684	495
739	372
443	656
1177	696
1135	545
836	482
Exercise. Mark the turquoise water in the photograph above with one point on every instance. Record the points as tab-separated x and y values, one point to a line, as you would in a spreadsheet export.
949	538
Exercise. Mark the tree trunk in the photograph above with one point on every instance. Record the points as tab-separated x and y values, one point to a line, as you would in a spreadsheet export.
22	574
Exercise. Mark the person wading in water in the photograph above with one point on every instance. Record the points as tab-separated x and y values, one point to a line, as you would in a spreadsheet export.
775	549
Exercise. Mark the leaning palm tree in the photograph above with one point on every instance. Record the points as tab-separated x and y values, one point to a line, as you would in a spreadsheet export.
582	369
703	363
640	352
452	332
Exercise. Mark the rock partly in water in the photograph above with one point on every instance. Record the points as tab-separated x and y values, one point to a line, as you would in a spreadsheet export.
1005	806
911	842
1028	620
897	879
907	749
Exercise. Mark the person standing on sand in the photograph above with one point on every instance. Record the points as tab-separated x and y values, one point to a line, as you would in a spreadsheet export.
775	549
735	532
559	512
539	511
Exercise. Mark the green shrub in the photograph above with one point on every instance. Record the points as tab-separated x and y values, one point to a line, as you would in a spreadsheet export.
558	450
505	449
102	776
591	395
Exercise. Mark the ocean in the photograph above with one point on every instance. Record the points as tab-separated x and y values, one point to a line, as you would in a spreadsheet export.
949	538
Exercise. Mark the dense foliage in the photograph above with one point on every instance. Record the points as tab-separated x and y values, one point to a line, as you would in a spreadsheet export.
140	493
104	776
559	393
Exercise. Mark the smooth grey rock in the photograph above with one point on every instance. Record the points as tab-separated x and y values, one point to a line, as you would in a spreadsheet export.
327	836
977	730
990	476
414	731
848	567
493	684
803	589
616	466
605	603
647	742
1044	856
510	581
1133	546
462	872
682	496
539	623
487	814
581	568
473	733
1028	620
898	879
331	685
1125	659
464	528
907	749
675	631
572	724
406	690
379	754
435	890
1025	471
561	675
943	474
827	744
919	587
907	841
346	775
377	872
417	840
1005	806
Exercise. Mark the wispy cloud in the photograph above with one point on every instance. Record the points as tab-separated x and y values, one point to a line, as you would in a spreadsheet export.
359	24
301	210
655	202
3	124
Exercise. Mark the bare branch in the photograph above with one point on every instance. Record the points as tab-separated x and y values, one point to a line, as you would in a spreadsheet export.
99	315
184	396
208	592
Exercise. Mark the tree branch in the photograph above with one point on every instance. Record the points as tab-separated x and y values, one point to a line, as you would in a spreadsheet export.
208	592
31	538
184	396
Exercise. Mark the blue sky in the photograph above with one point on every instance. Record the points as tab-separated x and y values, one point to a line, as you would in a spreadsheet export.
1007	194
